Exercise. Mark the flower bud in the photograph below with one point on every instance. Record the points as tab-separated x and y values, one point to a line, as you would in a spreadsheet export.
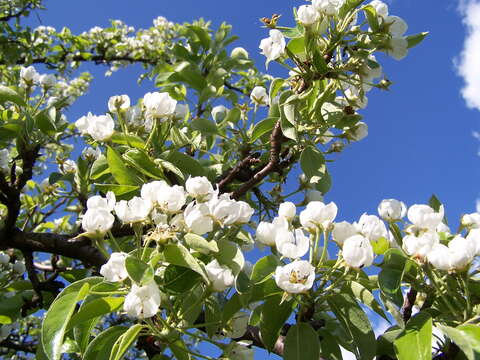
239	53
307	15
114	270
47	80
118	103
142	301
392	210
198	186
220	275
219	113
4	259
342	231
357	252
287	210
19	267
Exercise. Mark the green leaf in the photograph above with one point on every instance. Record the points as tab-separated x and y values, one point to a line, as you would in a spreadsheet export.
179	279
264	269
391	276
202	34
435	203
8	94
200	244
118	190
213	316
263	127
55	323
466	337
372	17
95	308
242	283
205	126
312	162
187	164
122	174
366	297
99	168
233	116
356	324
180	351
302	343
273	317
415	342
229	254
10	308
297	46
414	40
131	140
138	271
45	123
275	86
125	341
287	128
142	162
179	255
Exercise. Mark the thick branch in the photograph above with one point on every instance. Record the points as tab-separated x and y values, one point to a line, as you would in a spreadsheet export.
64	245
27	348
233	173
17	14
275	147
408	304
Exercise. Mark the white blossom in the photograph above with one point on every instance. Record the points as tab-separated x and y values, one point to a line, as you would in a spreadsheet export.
474	236
198	187
267	232
296	277
273	47
29	75
292	245
456	256
239	53
396	26
471	221
197	218
118	102
4	259
424	217
397	47
19	267
342	231
439	257
97	221
307	15
357	252
47	80
100	128
287	210
133	211
372	227
142	301
245	212
219	113
318	214
158	105
114	270
104	203
328	7
91	153
420	246
68	166
359	132
221	276
380	7
392	210
259	96
169	198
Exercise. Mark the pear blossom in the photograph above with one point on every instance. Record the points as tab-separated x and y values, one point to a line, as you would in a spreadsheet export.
397	47
328	7
114	270
424	217
133	211
198	186
90	153
106	203
239	53
142	301
158	105
245	212
380	7
318	214
221	276
259	96
219	113
292	245
369	72
342	231
392	210
443	228
372	227
396	26
296	277
474	237
357	252
101	127
133	116
227	211
47	80
456	256
19	267
439	257
29	75
68	166
267	232
359	132
83	123
420	246
97	221
356	98
197	218
4	259
287	210
273	47
169	198
118	102
307	15
471	221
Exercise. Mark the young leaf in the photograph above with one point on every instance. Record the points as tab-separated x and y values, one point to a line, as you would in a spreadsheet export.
302	343
125	341
200	244
122	174
179	255
138	271
415	342
273	317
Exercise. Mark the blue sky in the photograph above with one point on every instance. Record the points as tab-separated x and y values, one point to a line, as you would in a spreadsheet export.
420	139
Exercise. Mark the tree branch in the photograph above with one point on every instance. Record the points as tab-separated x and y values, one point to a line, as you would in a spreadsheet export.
27	347
276	140
233	173
17	14
408	304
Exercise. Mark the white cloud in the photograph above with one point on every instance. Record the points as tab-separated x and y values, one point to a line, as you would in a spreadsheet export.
468	65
